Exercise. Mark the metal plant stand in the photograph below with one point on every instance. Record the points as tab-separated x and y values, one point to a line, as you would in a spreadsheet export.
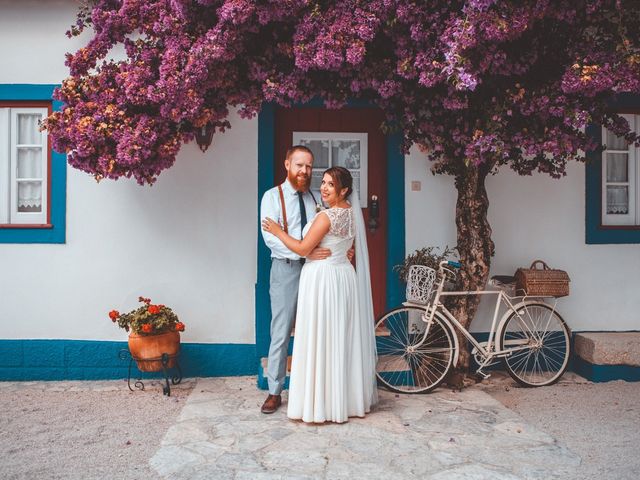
176	378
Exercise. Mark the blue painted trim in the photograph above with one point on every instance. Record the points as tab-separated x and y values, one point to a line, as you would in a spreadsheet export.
605	373
595	233
95	360
396	219
396	215
266	174
26	91
56	234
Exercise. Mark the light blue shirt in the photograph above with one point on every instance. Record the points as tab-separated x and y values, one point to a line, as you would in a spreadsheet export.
271	207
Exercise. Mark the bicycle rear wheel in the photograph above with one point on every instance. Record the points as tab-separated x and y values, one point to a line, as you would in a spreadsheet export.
406	364
541	344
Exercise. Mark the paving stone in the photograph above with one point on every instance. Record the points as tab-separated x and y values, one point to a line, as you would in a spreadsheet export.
473	472
172	459
454	435
185	432
293	462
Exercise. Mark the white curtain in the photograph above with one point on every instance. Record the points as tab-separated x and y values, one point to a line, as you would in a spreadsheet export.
30	160
29	196
28	129
618	200
617	172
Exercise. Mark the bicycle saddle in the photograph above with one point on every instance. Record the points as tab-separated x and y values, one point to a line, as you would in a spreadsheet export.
503	279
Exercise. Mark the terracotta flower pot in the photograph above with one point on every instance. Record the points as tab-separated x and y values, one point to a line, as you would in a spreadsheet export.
148	349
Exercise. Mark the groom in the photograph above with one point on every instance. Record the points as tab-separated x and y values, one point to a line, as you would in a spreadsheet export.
291	204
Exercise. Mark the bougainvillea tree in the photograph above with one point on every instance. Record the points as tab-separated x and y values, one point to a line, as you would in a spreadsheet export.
476	84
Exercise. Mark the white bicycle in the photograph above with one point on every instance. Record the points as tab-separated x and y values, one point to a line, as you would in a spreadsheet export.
417	344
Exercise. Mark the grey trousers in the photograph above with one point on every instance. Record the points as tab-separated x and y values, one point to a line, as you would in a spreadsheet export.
283	290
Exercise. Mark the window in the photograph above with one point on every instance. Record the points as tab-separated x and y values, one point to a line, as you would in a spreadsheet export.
24	166
612	181
620	178
331	149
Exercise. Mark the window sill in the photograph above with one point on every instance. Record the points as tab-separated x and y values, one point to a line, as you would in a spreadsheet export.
26	225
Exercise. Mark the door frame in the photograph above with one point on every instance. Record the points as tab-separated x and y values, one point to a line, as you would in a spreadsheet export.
396	217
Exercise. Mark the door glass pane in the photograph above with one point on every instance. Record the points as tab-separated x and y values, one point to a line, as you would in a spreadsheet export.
29	196
614	142
29	162
617	167
356	179
617	200
320	149
346	153
316	180
28	129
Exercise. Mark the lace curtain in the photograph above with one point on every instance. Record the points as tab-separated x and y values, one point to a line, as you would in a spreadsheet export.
617	172
29	157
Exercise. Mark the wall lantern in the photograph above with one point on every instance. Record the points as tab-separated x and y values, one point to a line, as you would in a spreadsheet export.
204	135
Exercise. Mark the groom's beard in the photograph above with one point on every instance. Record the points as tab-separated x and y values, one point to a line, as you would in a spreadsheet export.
300	182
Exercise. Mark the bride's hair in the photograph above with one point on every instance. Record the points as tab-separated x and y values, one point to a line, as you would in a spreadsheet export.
342	178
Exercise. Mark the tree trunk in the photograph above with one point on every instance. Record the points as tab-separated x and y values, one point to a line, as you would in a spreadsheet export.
476	249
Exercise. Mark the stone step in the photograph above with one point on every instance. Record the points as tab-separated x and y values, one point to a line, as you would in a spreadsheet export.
606	356
392	363
264	361
609	348
263	383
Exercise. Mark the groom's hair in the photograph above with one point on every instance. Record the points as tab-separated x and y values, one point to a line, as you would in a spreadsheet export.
342	178
297	148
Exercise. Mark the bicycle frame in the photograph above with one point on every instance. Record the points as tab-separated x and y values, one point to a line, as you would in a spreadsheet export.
488	352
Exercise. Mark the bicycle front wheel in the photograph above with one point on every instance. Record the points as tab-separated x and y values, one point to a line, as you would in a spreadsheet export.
410	360
540	345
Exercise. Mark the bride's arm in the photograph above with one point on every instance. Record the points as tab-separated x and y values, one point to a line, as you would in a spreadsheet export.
319	228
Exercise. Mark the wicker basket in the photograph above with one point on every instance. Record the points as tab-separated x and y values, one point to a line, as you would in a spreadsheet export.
419	284
543	282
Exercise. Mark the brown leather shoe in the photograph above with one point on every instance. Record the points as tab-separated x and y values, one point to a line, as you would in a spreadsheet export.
271	404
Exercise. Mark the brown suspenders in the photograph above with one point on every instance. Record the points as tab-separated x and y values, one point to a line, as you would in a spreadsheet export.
284	210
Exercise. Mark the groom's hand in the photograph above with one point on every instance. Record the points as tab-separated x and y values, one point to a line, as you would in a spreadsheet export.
350	253
319	253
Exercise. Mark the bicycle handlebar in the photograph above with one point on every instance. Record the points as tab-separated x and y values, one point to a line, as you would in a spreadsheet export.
450	263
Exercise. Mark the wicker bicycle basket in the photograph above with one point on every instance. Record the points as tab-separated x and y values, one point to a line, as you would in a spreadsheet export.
420	283
543	282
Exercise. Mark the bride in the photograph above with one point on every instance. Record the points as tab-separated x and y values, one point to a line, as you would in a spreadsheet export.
334	352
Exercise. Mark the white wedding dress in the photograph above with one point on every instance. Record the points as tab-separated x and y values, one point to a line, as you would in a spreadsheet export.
333	365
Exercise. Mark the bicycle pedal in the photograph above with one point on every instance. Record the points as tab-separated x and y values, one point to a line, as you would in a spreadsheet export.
482	374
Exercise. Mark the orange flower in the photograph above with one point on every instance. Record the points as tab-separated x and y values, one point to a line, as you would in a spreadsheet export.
147	328
153	309
113	315
180	327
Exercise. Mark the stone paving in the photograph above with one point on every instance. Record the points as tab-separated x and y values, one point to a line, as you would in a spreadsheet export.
221	434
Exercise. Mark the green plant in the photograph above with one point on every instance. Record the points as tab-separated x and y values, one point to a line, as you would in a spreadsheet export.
427	256
148	319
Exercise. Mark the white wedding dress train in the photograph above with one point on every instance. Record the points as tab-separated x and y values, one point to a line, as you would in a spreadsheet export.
332	371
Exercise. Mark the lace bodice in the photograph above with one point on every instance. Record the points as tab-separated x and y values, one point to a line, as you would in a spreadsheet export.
341	222
339	239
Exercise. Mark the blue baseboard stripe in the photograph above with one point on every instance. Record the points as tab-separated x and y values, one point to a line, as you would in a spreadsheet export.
99	360
605	373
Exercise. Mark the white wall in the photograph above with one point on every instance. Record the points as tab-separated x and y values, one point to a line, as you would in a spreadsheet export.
34	41
535	217
188	242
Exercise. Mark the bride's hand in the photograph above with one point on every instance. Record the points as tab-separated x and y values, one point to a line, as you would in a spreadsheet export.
271	226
